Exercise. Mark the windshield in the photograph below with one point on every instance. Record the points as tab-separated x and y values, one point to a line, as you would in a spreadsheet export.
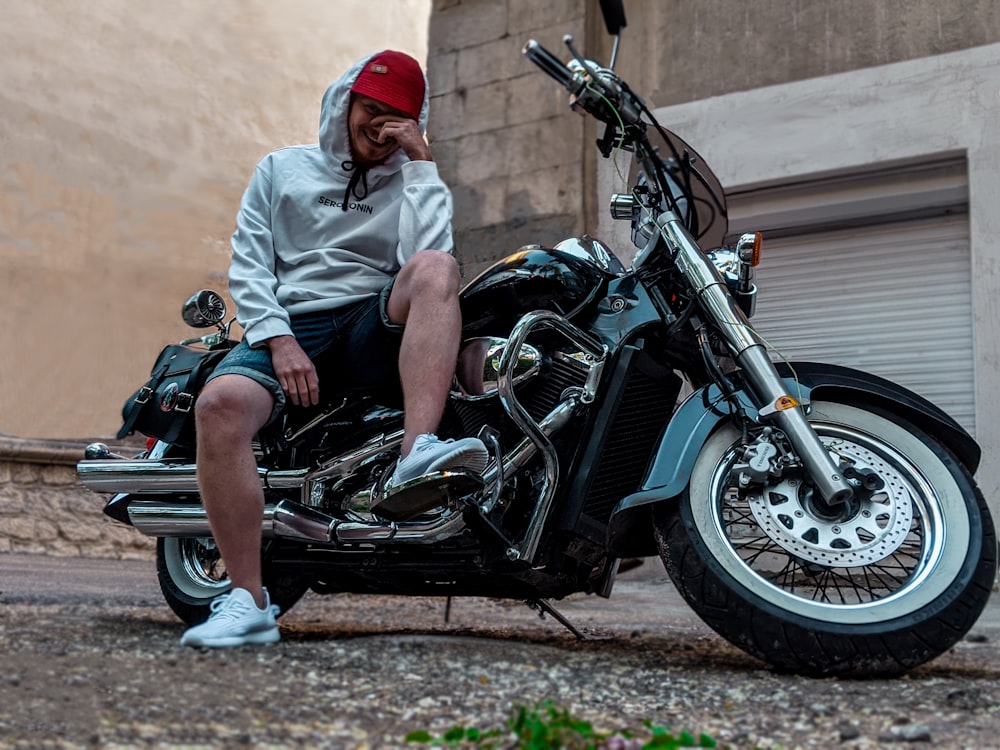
693	179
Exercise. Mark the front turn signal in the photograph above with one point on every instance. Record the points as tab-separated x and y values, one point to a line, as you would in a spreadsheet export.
748	247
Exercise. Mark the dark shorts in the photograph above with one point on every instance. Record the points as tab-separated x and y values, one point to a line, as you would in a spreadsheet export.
351	346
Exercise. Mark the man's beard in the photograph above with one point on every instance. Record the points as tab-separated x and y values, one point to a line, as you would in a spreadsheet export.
366	163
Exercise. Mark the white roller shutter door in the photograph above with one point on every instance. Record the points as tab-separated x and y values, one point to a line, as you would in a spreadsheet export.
891	299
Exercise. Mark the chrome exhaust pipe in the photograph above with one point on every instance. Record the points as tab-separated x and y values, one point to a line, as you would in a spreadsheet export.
291	520
284	519
145	476
295	520
145	479
156	518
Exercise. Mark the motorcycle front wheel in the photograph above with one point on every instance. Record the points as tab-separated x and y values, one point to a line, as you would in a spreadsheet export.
191	574
887	582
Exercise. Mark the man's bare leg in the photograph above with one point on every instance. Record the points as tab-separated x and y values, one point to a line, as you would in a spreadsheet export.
425	298
230	411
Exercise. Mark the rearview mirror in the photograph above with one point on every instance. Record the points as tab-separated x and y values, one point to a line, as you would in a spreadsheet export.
614	15
204	309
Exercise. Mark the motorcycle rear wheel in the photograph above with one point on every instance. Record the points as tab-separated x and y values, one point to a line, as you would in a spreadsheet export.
919	566
191	574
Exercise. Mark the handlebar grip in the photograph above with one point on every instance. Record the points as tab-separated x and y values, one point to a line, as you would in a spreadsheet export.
549	63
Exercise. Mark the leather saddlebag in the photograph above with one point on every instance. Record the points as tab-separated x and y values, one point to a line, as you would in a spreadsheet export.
164	407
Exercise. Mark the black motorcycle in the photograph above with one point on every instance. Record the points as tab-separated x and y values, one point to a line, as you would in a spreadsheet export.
820	518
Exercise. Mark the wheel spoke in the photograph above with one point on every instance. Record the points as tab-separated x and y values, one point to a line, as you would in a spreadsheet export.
829	580
803	573
786	576
772	559
760	546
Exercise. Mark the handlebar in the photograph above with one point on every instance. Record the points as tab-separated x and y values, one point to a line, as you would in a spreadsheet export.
603	94
592	89
549	63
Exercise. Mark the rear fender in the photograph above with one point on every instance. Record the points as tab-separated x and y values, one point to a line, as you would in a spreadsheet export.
702	412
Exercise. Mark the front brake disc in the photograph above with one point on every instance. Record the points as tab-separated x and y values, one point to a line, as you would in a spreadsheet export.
872	527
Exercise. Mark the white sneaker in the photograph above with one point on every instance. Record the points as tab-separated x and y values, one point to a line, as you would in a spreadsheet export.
429	454
235	620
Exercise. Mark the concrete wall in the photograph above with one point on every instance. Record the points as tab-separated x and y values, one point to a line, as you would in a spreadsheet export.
869	80
712	47
910	112
523	166
500	130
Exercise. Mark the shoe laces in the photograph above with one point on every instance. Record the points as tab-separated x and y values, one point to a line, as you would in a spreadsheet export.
423	443
226	607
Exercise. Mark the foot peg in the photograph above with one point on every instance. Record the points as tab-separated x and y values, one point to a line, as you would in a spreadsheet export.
421	494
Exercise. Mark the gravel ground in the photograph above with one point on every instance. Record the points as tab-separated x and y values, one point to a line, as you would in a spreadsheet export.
361	672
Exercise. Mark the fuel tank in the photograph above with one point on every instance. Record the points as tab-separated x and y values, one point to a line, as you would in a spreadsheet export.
533	278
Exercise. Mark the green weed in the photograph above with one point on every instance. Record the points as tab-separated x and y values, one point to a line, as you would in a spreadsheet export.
545	726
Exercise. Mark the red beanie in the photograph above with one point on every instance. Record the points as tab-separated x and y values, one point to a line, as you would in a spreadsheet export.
393	78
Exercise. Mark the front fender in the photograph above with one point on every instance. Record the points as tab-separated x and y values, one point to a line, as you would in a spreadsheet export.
698	416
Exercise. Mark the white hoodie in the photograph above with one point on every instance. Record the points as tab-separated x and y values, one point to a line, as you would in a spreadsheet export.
296	249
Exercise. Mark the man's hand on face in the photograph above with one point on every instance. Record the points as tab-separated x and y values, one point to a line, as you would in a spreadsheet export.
295	371
406	133
376	131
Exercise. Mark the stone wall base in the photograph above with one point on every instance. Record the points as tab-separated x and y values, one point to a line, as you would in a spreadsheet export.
45	510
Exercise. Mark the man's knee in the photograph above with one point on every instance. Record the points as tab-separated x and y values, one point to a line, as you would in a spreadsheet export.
232	407
433	268
431	277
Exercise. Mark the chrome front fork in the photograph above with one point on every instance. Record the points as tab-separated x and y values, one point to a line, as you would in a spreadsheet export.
776	404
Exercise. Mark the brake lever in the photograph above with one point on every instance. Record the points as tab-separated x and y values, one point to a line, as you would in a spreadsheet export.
584	62
606	86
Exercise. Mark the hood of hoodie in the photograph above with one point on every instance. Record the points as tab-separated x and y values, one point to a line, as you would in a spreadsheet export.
334	139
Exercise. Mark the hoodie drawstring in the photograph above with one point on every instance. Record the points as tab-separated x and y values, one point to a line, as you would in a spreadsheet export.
358	175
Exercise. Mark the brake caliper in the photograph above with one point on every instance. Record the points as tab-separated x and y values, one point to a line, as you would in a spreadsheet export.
760	461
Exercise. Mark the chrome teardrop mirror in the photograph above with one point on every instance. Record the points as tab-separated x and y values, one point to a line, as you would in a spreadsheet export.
204	309
614	15
478	367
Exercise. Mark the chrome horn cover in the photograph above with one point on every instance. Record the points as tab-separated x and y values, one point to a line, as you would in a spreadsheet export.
478	367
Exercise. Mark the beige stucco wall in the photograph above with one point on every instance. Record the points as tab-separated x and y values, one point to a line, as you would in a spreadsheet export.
127	134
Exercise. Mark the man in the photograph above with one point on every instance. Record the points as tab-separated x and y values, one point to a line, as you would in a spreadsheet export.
340	247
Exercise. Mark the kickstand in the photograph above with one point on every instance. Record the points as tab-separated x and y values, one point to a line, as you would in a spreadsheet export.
447	610
544	606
